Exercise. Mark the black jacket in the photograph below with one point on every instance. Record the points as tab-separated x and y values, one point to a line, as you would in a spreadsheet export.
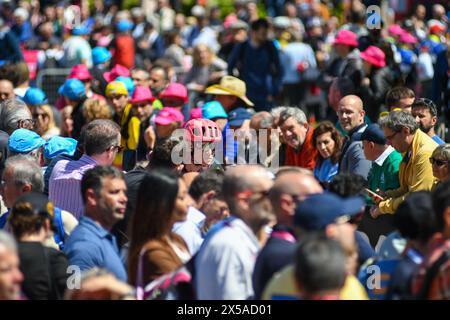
373	96
44	270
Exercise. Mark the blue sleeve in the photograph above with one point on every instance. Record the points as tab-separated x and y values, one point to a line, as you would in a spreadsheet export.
13	42
277	75
159	47
365	250
233	58
84	255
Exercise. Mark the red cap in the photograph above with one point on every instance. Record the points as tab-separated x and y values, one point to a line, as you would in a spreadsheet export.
175	90
347	38
168	115
375	56
141	94
115	72
80	72
437	28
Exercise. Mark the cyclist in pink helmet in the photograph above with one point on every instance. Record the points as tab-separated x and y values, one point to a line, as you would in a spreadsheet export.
201	135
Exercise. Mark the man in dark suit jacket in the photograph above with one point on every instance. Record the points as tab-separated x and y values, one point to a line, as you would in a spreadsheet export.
351	117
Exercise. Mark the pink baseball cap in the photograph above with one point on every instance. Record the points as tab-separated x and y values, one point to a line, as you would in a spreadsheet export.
80	72
168	115
229	20
396	30
115	72
195	113
375	56
407	37
175	90
141	94
347	38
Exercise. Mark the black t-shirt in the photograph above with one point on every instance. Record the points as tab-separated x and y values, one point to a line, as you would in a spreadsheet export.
44	270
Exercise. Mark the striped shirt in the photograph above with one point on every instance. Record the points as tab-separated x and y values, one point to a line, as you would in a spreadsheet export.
65	184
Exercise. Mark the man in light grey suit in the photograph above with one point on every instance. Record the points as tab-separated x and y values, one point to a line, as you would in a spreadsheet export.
351	117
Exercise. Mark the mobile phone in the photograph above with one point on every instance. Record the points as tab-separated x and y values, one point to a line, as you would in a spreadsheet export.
374	195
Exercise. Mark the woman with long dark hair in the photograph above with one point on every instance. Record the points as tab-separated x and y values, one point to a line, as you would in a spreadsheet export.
154	249
328	142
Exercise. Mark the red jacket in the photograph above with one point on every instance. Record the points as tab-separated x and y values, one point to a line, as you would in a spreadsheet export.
124	51
306	156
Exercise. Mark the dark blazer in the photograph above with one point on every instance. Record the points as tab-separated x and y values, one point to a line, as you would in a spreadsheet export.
44	270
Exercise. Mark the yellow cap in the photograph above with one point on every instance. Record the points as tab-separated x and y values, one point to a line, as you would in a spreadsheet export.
116	87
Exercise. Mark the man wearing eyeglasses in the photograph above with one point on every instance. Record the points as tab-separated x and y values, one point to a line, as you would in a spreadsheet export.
425	112
415	173
226	260
101	144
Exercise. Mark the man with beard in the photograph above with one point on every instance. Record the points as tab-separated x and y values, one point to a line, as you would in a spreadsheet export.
425	112
91	244
159	79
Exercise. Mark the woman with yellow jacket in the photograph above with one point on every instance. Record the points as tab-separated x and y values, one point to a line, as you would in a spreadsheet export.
117	95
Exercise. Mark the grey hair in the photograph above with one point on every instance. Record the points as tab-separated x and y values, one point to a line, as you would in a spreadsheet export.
7	241
442	151
277	110
397	120
12	111
26	170
295	113
265	119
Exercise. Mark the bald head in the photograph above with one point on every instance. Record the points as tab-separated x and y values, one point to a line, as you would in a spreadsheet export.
6	90
350	112
244	178
261	120
290	187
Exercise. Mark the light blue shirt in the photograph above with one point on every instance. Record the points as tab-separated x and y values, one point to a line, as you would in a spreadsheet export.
291	56
190	230
226	261
326	171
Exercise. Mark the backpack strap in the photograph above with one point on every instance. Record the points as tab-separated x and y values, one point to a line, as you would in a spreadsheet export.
59	235
431	274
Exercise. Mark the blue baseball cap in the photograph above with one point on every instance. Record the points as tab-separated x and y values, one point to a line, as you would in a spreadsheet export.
237	117
322	209
24	141
124	25
73	89
213	110
374	134
34	97
128	82
59	145
100	55
80	31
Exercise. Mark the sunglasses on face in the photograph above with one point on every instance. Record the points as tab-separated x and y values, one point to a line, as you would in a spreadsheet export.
26	123
438	162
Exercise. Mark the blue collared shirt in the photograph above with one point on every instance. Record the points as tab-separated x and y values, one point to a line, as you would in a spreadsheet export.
90	245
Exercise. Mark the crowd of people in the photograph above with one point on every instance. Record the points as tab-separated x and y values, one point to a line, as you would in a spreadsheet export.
273	150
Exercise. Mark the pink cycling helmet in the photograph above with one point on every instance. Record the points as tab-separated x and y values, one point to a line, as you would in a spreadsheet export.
203	130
